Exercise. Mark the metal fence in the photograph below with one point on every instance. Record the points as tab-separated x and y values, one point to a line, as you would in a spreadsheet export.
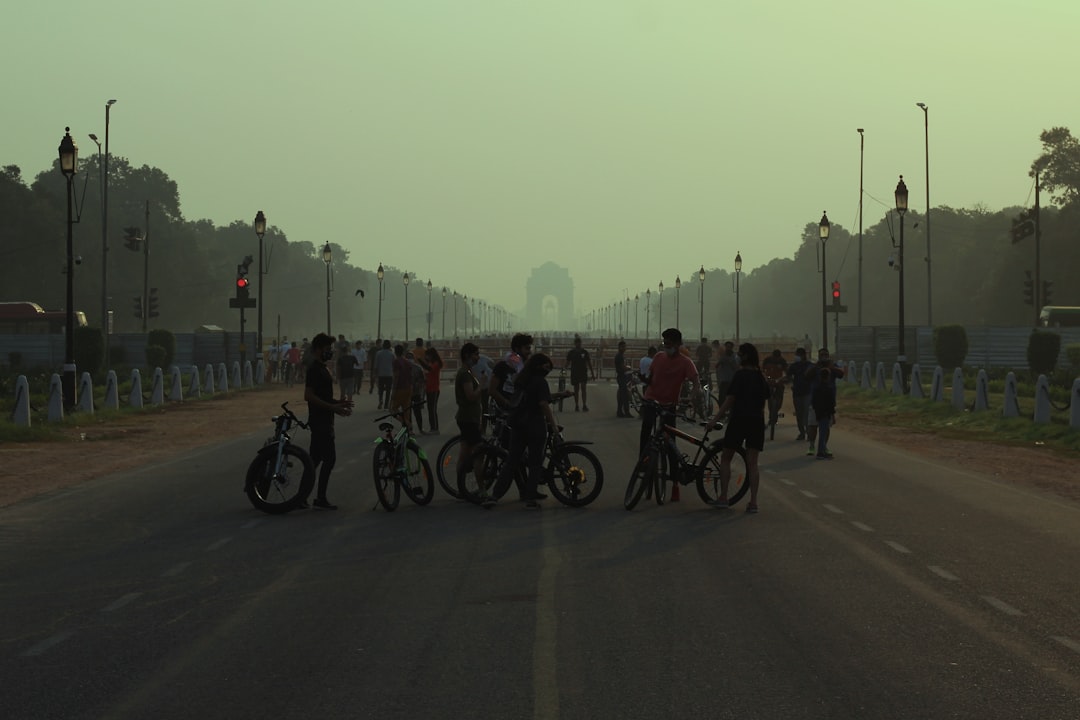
988	346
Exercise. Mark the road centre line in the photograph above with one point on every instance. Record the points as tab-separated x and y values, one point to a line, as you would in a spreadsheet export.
1067	642
176	569
1001	605
220	543
252	523
862	526
834	509
47	643
787	482
942	572
897	547
120	602
808	494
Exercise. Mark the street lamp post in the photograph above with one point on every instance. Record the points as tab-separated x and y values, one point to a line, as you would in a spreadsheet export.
380	274
926	220
455	314
260	230
69	165
637	315
429	309
405	282
901	209
443	333
701	307
327	256
862	146
823	231
105	236
738	272
678	287
648	297
660	307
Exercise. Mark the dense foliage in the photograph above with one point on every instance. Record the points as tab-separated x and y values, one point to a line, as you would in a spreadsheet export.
1042	352
950	345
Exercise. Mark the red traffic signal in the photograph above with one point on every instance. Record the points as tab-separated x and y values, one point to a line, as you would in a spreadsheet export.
241	282
836	290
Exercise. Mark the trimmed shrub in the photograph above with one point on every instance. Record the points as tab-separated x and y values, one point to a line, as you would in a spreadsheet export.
1072	354
155	357
165	340
950	346
89	349
1042	352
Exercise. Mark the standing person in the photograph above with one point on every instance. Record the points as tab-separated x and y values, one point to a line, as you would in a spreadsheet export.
823	401
272	362
530	421
800	389
670	369
468	395
360	354
622	380
401	391
746	397
418	350
322	407
419	385
581	368
646	363
774	368
502	387
384	371
346	370
294	359
703	360
434	371
814	375
283	354
726	365
372	352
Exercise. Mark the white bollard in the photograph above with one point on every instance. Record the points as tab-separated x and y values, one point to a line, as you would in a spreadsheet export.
879	378
982	391
21	414
1074	405
223	378
1010	409
958	389
235	379
135	398
195	388
112	391
176	392
865	384
208	379
56	399
86	394
916	382
260	372
157	390
1042	400
937	385
897	379
248	382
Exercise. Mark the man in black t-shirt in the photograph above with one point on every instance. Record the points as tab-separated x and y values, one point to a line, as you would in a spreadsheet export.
580	369
322	407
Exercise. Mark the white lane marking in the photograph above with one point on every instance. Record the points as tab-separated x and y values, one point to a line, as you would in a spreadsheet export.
545	660
47	643
120	602
942	572
786	481
1067	642
834	509
862	526
219	544
252	523
897	547
808	494
176	569
1001	605
770	471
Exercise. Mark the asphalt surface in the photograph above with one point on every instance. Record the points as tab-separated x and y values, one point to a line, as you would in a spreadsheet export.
876	585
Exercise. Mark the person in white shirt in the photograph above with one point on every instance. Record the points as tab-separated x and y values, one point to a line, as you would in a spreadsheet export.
646	362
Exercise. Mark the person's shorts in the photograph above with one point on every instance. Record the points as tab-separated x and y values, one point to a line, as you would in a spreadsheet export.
742	431
470	432
578	379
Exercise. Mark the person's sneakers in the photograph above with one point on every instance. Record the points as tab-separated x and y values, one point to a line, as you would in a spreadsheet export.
532	505
585	408
324	504
536	496
828	454
752	508
577	409
721	502
303	505
822	456
811	451
802	436
488	502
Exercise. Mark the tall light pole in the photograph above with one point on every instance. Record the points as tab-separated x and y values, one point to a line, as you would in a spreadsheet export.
405	282
104	297
648	297
738	272
926	220
901	208
660	308
862	142
455	314
678	287
260	230
105	236
429	309
443	333
69	165
327	256
380	274
701	305
823	231
637	315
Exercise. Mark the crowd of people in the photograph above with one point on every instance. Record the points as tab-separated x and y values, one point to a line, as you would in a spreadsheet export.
407	380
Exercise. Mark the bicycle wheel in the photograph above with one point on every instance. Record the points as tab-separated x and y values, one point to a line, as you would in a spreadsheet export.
708	475
387	486
642	478
574	475
446	466
663	475
285	490
418	482
477	482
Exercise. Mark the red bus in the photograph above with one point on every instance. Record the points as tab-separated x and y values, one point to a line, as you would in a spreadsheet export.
27	318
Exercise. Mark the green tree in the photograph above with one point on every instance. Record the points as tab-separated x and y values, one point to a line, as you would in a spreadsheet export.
1059	165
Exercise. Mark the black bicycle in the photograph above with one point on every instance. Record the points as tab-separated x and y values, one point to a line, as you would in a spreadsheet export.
399	463
662	463
281	476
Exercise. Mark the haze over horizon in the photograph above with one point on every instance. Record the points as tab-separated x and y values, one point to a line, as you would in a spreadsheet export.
626	140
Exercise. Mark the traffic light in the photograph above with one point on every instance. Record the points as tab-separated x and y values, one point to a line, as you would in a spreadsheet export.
242	288
1023	226
1045	293
138	308
836	291
153	309
1029	290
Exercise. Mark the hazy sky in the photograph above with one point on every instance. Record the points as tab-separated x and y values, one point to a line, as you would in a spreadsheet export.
469	141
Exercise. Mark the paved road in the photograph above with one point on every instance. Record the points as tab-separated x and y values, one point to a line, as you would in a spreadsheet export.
875	586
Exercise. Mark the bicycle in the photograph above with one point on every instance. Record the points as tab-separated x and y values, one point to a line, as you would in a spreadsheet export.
446	460
663	462
281	476
400	463
633	387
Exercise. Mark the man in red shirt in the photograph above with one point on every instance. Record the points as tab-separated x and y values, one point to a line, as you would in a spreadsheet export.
669	370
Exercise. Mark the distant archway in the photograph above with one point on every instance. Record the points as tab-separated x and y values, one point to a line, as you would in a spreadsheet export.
549	298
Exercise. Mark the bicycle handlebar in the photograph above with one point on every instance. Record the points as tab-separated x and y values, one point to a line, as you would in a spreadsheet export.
291	415
415	405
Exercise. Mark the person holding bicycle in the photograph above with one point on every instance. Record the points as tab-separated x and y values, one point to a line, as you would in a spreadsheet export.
322	407
775	368
746	397
667	373
468	394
